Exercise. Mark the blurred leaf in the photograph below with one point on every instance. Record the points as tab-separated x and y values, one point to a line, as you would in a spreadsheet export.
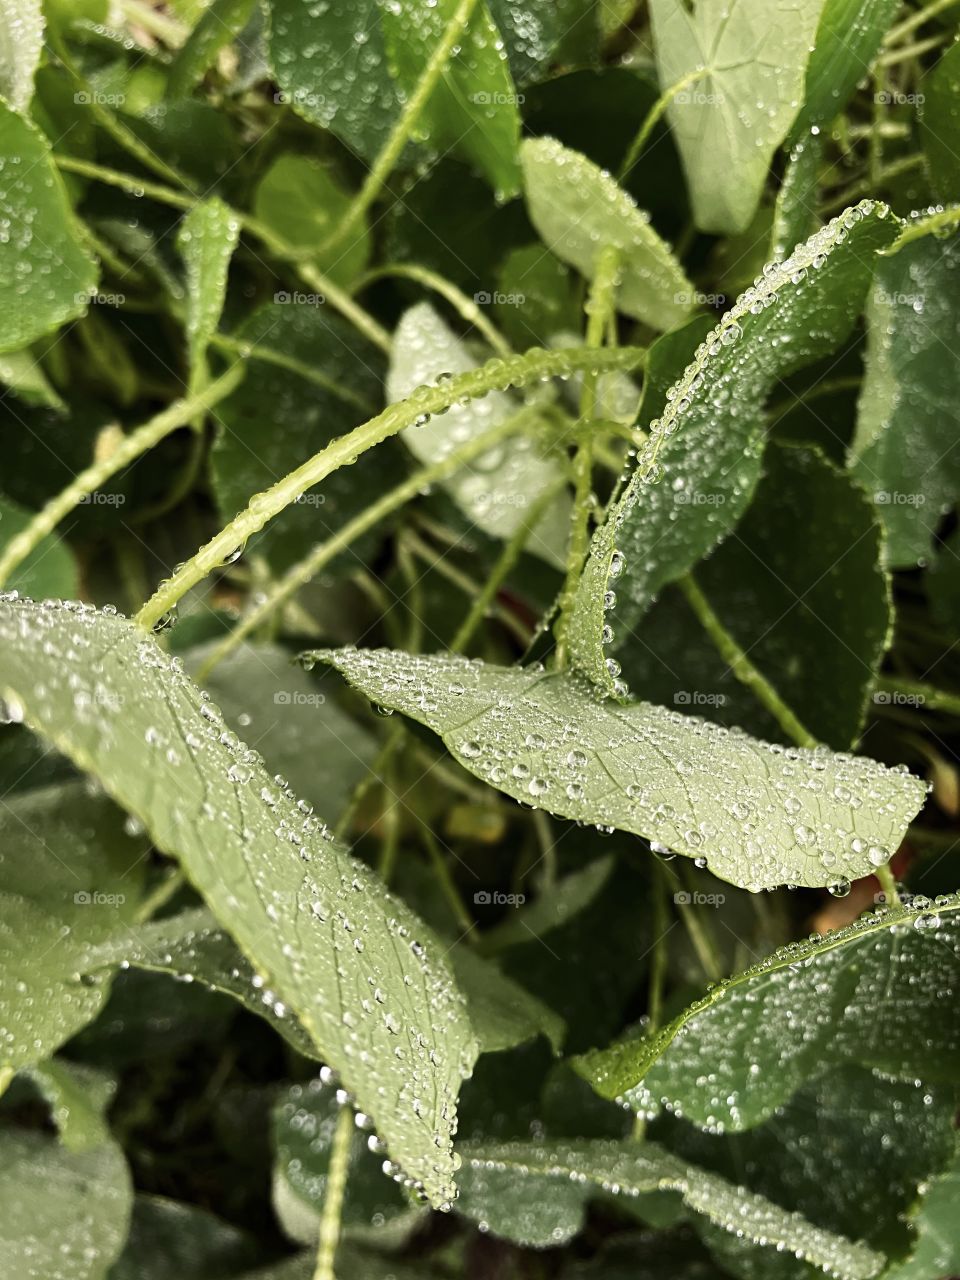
501	1012
170	1240
729	122
903	452
937	1249
206	797
537	297
552	907
46	275
868	993
21	45
757	815
795	215
24	375
207	238
494	490
708	440
579	210
220	23
78	1097
49	570
939	112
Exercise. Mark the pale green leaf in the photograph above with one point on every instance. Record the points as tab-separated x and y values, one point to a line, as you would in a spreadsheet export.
870	993
21	44
496	488
758	815
207	238
24	374
708	441
903	451
50	569
730	121
63	1215
70	879
536	1194
320	930
46	275
578	210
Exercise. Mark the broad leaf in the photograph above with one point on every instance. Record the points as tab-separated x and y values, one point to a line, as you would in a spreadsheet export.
71	878
62	1214
49	570
78	1097
757	815
21	44
870	993
536	1194
317	925
171	1240
729	122
937	1249
849	36
207	238
46	275
579	210
940	121
494	490
903	451
707	443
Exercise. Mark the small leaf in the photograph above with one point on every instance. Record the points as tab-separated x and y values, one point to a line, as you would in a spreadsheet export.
321	931
23	374
21	44
937	1249
849	36
49	570
708	440
536	1194
501	1012
64	1214
207	238
939	112
552	908
78	1097
494	490
578	210
757	815
730	121
868	993
170	1240
902	452
46	276
219	24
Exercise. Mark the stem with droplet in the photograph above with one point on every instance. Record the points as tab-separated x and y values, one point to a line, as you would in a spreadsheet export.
332	1214
466	307
654	114
496	374
138	442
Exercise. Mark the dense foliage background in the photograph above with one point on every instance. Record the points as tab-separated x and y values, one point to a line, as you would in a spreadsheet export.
574	387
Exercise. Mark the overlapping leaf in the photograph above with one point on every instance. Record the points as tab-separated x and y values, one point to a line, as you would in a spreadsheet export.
207	238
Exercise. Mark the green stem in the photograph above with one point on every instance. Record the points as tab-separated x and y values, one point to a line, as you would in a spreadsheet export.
888	884
653	115
384	164
918	693
496	374
703	942
446	881
601	304
913	50
741	666
176	415
466	307
268	355
463	582
336	1186
161	895
909	25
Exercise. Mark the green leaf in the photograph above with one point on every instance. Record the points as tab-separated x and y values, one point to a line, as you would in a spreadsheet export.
708	440
537	297
552	908
870	993
219	24
902	452
473	111
502	1013
939	113
849	36
578	210
757	815
729	122
46	276
49	570
937	1250
814	614
21	44
795	215
207	238
23	374
70	878
170	1240
62	1214
536	1194
493	491
300	199
78	1097
320	930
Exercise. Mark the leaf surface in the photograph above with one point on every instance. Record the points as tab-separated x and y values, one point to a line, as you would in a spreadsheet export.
21	44
207	238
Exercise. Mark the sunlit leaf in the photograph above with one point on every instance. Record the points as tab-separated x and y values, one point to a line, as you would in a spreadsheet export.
21	44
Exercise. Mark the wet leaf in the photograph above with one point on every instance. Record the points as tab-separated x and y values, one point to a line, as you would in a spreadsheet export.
940	124
207	238
757	815
849	36
171	1240
579	210
78	1097
49	570
937	1249
870	993
21	44
221	22
297	904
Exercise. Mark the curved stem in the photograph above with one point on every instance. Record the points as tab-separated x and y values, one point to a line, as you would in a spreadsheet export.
178	414
336	1186
653	115
392	148
466	307
919	694
917	19
741	666
497	374
947	219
